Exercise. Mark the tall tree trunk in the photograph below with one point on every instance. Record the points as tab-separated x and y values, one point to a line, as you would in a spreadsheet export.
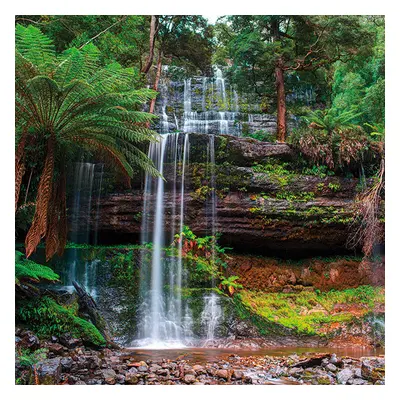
19	166
153	33
157	80
155	85
38	229
281	102
280	85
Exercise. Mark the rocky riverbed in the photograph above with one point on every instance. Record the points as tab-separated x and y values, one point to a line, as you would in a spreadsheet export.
67	361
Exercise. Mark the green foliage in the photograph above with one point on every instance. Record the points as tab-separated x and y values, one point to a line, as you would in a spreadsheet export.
335	187
277	172
27	357
293	310
332	119
29	270
321	171
46	317
307	47
273	168
230	284
203	257
377	131
300	196
85	105
202	193
262	135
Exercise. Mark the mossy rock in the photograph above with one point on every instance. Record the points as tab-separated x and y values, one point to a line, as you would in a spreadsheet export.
46	317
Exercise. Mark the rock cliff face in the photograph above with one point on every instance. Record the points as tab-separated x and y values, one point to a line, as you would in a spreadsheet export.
274	231
289	215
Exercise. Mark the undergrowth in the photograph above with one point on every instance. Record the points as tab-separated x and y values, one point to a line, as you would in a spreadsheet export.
46	317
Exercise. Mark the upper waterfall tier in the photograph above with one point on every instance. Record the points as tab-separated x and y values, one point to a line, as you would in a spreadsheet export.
206	105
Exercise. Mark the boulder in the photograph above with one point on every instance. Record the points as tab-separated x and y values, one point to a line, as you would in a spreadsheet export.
344	375
29	341
373	369
109	376
131	378
296	371
222	373
199	369
331	367
70	342
56	348
66	364
48	371
189	378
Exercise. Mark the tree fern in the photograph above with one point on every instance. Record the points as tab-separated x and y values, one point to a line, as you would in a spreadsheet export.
331	119
70	102
27	270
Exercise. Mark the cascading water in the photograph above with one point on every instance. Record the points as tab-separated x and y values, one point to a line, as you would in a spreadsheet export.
212	312
165	315
211	113
88	179
166	319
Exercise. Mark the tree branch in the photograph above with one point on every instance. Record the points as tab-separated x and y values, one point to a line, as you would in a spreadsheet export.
104	31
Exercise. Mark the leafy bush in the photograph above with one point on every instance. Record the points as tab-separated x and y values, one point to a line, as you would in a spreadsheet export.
230	285
321	171
203	256
263	136
336	149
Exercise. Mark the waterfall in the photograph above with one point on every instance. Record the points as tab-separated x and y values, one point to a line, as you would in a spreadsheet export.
96	228
88	179
206	108
211	316
220	83
212	312
166	318
165	315
83	186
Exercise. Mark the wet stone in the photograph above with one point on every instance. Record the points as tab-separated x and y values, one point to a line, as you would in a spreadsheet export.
189	378
296	371
237	375
49	371
344	375
155	368
131	378
331	367
109	376
162	372
66	363
222	373
199	369
94	382
29	340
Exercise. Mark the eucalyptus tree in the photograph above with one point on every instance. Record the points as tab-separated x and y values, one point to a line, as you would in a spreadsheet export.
265	49
65	103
